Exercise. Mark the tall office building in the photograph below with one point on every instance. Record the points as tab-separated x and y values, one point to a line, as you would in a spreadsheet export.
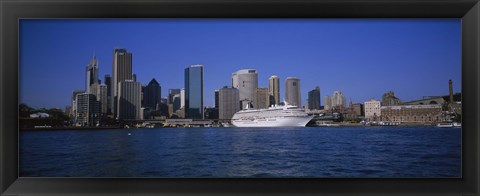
102	98
215	111
108	82
91	77
228	99
121	71
314	99
338	100
88	111
261	98
246	81
194	92
274	90
216	98
152	95
327	103
129	100
292	91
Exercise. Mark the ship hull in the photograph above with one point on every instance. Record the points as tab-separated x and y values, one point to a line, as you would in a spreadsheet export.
300	121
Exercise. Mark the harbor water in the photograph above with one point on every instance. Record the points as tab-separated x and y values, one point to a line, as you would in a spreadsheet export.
242	152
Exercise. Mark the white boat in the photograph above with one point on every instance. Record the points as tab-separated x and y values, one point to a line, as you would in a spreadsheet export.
445	125
275	116
457	125
326	124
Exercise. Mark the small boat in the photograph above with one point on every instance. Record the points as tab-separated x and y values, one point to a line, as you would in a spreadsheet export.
326	124
457	125
445	125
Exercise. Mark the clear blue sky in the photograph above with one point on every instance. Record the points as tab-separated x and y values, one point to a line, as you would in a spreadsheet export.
363	58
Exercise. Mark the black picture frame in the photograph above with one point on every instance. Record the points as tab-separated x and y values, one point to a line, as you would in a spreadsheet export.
12	10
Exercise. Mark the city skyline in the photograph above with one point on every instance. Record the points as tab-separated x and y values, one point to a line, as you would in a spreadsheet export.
377	55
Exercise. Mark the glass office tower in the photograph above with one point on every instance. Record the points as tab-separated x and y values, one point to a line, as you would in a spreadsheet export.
194	92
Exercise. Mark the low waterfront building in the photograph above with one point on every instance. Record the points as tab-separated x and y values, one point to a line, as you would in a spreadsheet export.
372	110
74	102
88	110
211	113
389	99
427	101
355	110
415	114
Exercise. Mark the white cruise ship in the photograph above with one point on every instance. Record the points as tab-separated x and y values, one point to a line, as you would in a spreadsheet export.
277	116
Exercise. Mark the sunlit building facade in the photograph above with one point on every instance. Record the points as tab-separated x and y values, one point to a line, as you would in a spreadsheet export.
274	90
292	91
246	81
372	110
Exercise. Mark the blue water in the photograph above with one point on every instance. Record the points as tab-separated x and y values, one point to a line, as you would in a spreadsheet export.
243	152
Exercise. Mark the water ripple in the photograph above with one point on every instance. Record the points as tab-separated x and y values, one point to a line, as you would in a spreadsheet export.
242	152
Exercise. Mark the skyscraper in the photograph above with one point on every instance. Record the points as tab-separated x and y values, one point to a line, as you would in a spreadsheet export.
91	75
129	100
102	98
261	98
121	71
217	98
108	82
152	94
327	102
274	90
292	91
246	81
194	92
314	99
338	100
228	99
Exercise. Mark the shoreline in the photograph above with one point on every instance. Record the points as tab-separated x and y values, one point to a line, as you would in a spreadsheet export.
103	128
66	128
